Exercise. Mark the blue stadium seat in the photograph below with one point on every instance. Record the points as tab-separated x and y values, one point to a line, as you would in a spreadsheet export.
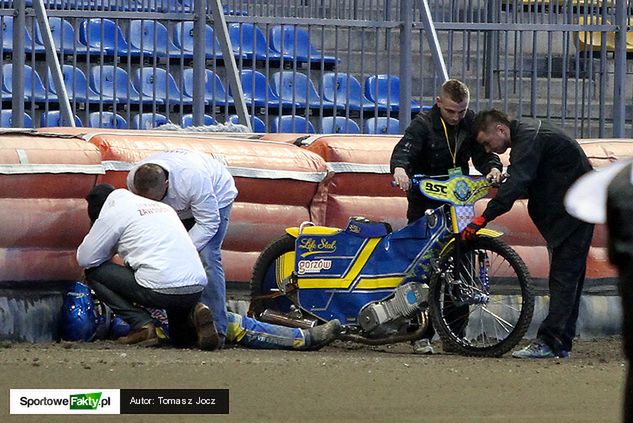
183	39
339	125
348	92
298	88
385	90
382	125
150	37
106	120
112	42
7	37
157	82
6	119
53	118
292	124
76	83
187	120
257	91
64	37
148	120
33	87
113	83
214	91
258	125
250	42
294	43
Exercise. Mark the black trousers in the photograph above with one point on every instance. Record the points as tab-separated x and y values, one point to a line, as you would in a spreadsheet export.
116	286
568	265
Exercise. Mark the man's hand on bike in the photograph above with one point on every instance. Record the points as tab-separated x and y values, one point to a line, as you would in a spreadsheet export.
470	232
401	179
495	176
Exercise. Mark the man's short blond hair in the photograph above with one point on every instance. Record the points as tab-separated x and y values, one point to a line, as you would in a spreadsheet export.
455	90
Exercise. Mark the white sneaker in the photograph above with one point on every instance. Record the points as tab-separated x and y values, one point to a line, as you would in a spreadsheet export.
423	346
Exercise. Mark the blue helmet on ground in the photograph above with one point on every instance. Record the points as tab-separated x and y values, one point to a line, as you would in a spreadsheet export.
79	318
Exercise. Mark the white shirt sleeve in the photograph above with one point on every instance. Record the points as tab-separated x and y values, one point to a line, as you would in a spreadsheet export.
204	208
98	246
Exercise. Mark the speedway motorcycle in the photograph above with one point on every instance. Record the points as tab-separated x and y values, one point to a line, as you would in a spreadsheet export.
382	285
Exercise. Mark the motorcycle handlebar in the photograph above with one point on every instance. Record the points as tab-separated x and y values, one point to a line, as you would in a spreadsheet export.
417	178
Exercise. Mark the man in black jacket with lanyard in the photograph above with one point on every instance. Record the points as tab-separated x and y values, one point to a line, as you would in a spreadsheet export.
435	142
544	163
438	140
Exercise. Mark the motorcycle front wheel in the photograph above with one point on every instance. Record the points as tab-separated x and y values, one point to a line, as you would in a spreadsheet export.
487	311
273	265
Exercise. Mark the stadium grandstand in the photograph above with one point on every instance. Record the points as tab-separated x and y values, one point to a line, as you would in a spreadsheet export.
313	66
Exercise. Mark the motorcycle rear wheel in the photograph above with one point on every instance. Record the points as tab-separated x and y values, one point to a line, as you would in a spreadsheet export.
273	265
478	320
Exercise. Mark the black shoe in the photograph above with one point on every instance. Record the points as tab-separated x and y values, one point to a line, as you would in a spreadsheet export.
322	335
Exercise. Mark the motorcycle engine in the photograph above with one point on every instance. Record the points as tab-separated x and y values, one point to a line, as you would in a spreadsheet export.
406	300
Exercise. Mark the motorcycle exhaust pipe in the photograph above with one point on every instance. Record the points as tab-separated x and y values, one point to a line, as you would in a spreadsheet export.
278	318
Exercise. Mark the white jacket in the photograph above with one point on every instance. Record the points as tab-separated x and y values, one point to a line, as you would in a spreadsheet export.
150	239
199	186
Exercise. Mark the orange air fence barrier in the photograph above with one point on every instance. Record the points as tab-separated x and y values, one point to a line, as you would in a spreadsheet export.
43	183
360	184
45	175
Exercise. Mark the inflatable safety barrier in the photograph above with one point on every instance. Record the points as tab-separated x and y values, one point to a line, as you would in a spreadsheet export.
43	183
360	184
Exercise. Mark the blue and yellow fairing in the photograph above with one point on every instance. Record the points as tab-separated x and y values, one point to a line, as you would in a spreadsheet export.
340	271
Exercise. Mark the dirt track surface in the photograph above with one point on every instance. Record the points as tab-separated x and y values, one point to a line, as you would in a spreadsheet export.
341	383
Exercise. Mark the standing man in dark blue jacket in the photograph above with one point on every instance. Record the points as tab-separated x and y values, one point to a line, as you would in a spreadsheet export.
544	163
435	142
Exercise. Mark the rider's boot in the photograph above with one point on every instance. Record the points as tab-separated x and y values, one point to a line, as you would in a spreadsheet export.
322	335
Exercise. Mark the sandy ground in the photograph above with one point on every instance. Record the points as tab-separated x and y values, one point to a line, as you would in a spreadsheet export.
341	383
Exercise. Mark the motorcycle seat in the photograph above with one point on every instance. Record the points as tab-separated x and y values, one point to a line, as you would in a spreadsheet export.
363	227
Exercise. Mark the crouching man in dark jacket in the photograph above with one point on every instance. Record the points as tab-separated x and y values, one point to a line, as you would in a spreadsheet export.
544	163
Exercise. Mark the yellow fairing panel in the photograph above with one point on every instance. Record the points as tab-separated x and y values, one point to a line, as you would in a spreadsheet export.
312	230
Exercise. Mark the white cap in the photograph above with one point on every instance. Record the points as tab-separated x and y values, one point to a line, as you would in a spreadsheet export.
586	199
